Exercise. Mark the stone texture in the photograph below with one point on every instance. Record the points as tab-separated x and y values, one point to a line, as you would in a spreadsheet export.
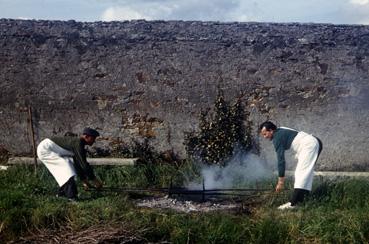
138	79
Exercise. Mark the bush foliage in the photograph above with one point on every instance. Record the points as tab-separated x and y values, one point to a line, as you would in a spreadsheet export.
220	133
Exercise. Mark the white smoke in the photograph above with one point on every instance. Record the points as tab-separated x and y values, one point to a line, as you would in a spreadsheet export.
241	170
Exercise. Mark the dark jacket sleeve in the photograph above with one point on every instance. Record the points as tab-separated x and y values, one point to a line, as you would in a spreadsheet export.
79	169
83	168
281	160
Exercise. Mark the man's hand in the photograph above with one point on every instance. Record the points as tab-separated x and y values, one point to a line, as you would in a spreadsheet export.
98	184
280	184
86	185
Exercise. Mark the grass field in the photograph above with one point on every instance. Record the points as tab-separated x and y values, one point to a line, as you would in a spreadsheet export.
336	212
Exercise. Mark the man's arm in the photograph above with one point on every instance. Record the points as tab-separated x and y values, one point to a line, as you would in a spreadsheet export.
281	162
87	170
79	170
281	169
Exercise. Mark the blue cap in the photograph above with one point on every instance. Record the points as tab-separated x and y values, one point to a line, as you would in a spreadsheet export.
90	132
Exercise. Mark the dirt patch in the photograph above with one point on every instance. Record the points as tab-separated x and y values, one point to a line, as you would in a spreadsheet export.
94	234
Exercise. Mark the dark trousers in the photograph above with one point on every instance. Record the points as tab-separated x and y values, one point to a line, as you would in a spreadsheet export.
69	189
299	194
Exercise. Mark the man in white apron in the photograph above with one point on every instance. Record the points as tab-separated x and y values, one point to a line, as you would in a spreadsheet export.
307	149
65	157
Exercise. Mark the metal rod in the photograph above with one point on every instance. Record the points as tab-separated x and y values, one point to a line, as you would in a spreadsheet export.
165	189
211	194
32	136
203	190
235	189
170	187
173	192
181	191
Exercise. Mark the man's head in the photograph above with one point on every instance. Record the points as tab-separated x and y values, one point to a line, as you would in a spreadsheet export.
267	129
89	135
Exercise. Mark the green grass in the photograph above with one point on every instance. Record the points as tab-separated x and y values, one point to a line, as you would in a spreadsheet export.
336	211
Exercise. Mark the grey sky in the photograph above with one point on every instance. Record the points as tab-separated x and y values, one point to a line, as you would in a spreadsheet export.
305	11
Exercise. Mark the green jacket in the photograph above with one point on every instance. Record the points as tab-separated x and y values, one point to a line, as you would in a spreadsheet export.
282	140
77	146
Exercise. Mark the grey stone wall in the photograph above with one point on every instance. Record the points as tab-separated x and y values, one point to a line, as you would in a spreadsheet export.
138	79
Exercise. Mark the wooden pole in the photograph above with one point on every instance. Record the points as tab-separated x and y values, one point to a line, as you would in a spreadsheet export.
32	136
203	189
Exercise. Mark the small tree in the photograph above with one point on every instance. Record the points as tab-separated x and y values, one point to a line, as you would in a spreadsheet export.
220	133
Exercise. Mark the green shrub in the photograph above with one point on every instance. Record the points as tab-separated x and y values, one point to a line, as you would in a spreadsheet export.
220	133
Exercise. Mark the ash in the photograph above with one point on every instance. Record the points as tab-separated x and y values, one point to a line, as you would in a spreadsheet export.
186	206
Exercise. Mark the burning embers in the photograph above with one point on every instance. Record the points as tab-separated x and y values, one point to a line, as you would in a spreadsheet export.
186	206
196	200
205	200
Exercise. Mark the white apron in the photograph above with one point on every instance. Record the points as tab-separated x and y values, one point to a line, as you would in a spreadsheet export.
307	148
57	160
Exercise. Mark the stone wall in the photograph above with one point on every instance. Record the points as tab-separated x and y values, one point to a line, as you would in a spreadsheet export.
138	79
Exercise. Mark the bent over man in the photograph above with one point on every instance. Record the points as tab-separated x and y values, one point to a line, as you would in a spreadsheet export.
307	149
65	157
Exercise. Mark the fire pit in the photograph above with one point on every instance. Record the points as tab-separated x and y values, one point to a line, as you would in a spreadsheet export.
196	200
205	200
186	205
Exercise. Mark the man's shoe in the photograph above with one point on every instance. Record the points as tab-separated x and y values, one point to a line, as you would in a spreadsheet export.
73	200
59	194
286	206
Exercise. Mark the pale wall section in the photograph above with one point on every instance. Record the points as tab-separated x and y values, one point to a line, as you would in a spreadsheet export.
151	79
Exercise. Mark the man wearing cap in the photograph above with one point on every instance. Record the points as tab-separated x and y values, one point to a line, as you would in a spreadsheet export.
307	149
65	157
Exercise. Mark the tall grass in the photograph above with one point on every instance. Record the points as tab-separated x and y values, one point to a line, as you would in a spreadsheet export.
335	212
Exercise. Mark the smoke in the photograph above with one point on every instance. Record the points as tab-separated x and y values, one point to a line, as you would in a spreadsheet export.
243	169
